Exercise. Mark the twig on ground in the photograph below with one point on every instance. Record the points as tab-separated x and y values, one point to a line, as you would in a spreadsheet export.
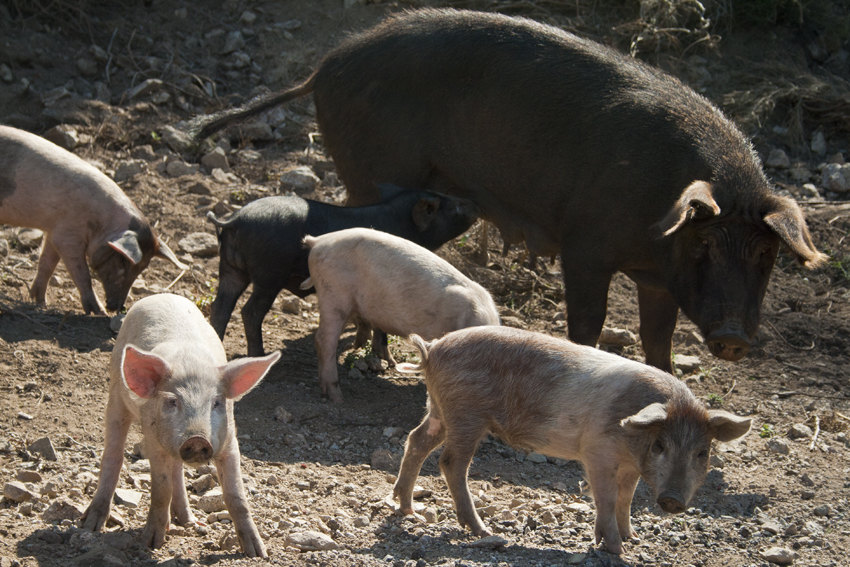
815	436
775	330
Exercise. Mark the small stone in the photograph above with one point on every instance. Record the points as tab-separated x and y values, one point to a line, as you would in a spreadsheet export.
200	244
614	337
355	374
778	159
576	558
87	66
145	88
216	159
579	508
4	247
419	492
62	509
228	541
362	521
778	555
823	511
177	140
771	527
292	305
818	143
220	176
102	556
199	188
232	42
127	169
383	460
280	414
547	517
17	491
536	457
50	489
686	363
43	447
64	136
837	157
49	536
834	177
310	541
390	431
489	542
811	191
6	73
29	238
272	480
179	168
716	461
300	179
28	476
800	431
145	152
127	498
430	514
203	483
374	363
248	17
212	501
800	173
778	446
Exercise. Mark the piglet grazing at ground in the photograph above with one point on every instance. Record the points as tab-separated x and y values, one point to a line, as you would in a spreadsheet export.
168	370
261	244
621	419
392	284
88	222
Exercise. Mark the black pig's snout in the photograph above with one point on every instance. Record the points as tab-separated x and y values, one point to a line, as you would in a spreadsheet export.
671	502
196	450
728	344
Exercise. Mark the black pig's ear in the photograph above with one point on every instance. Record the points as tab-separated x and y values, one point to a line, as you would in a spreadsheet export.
425	211
786	220
163	251
696	202
650	416
725	426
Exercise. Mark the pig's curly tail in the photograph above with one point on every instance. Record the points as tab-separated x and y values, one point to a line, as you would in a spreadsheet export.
423	347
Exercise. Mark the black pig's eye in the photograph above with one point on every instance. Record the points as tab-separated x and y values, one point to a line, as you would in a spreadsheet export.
657	447
703	454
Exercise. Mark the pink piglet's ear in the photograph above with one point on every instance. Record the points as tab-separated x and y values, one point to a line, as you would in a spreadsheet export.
142	371
241	375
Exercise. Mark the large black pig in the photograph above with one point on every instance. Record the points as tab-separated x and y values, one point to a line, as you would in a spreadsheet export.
572	147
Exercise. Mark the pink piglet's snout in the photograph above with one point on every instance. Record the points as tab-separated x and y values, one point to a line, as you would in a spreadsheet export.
196	450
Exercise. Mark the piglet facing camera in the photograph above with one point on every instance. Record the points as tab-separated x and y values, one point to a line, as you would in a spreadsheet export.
621	419
169	372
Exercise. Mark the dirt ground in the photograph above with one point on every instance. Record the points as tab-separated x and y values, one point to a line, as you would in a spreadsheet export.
312	465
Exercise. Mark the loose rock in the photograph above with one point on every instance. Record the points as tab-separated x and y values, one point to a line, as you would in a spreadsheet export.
800	431
301	179
212	501
216	159
613	336
29	238
310	541
383	460
64	136
489	542
779	555
200	244
687	363
17	491
62	509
